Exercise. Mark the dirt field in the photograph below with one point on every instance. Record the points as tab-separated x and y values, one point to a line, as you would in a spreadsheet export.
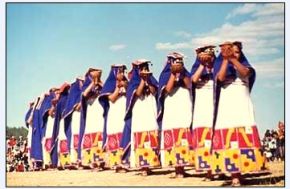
160	177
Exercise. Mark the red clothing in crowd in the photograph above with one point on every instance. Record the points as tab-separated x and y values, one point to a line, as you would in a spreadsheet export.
12	142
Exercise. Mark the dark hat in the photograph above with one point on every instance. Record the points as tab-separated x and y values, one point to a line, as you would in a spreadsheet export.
119	66
141	63
31	103
64	86
204	48
93	69
239	44
175	55
80	78
53	89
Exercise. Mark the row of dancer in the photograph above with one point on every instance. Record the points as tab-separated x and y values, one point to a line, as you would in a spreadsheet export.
203	118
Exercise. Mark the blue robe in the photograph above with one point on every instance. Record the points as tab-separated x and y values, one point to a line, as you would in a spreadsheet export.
36	147
73	99
58	116
27	115
39	125
46	105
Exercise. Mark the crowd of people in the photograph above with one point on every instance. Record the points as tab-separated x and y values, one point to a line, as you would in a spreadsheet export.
203	118
273	143
17	155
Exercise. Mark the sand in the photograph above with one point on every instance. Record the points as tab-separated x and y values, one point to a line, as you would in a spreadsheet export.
160	177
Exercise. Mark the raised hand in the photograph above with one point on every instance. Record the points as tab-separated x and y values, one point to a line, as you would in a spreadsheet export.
96	76
204	58
227	51
176	68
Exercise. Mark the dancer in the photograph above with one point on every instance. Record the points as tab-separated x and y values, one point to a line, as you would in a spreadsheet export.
140	136
92	121
203	107
113	101
175	114
236	143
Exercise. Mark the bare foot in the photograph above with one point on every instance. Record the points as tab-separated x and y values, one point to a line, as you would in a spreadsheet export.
144	173
121	170
236	182
179	175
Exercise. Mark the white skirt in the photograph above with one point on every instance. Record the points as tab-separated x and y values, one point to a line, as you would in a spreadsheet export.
116	115
47	139
49	127
177	109
29	137
75	125
94	124
203	106
75	128
144	118
177	113
95	119
235	106
61	134
144	114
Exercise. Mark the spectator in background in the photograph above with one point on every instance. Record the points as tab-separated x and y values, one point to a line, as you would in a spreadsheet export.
273	145
20	142
281	140
20	167
16	155
12	142
25	161
266	141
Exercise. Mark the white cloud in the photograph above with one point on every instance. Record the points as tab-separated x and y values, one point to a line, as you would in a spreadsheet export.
271	9
183	34
117	47
244	9
270	69
263	34
170	46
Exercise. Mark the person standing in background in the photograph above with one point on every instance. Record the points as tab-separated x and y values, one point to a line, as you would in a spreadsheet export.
281	140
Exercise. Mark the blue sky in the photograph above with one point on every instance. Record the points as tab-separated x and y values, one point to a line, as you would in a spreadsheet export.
48	44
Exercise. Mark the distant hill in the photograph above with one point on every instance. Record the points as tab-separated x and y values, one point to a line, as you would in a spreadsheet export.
16	131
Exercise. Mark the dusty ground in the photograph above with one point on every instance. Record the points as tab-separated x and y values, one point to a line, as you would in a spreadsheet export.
160	177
